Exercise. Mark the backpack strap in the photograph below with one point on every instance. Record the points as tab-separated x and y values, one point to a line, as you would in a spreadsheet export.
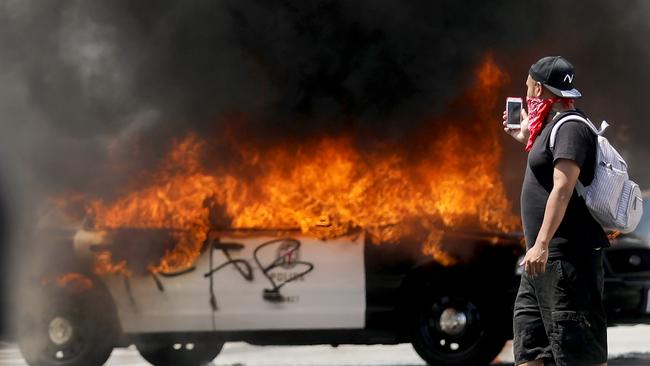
575	117
580	188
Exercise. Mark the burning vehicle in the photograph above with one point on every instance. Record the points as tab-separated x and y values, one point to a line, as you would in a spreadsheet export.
272	288
325	240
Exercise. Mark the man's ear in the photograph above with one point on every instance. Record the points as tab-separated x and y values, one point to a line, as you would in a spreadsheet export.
539	89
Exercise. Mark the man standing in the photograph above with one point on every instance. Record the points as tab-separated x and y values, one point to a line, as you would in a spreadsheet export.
559	316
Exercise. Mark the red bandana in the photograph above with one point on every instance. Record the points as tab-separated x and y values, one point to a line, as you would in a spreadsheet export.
538	110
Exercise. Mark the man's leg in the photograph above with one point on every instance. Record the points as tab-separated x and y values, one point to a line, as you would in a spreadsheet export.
577	324
530	342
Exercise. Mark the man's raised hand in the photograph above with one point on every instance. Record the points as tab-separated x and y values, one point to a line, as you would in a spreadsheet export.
521	134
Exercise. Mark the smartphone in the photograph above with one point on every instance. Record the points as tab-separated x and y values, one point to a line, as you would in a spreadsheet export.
513	108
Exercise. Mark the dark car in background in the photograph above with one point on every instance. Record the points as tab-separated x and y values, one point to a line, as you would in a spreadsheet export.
627	275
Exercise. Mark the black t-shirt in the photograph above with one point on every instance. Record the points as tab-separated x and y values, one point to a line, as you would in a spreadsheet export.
578	229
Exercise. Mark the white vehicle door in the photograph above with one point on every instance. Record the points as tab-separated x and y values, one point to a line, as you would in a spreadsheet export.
162	304
248	283
288	283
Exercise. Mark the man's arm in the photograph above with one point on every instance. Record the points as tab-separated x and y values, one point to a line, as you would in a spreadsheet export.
565	176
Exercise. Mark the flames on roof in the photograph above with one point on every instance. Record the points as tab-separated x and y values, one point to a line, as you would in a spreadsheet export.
325	187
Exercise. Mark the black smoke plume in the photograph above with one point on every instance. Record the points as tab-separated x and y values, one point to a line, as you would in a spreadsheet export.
84	81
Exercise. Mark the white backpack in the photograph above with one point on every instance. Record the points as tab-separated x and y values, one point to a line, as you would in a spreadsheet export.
612	198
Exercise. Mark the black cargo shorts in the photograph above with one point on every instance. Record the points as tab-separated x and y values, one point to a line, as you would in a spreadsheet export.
559	314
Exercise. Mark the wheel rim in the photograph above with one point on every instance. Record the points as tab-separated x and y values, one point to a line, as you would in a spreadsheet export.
452	321
60	331
183	347
65	339
452	326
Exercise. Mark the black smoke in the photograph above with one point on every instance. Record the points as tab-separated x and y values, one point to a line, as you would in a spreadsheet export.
96	79
86	81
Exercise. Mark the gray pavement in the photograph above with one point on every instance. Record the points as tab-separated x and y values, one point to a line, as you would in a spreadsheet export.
628	346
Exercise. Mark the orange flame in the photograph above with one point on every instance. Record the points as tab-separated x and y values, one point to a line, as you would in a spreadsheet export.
72	281
613	235
104	264
328	188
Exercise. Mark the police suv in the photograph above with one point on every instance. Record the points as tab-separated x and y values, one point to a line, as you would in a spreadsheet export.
268	288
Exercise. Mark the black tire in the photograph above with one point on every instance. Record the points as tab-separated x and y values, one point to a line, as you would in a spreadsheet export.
62	327
180	354
477	343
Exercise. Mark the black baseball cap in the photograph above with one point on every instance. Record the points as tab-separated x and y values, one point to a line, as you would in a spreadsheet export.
556	74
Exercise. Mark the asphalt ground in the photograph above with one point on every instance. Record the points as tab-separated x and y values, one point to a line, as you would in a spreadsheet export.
629	346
